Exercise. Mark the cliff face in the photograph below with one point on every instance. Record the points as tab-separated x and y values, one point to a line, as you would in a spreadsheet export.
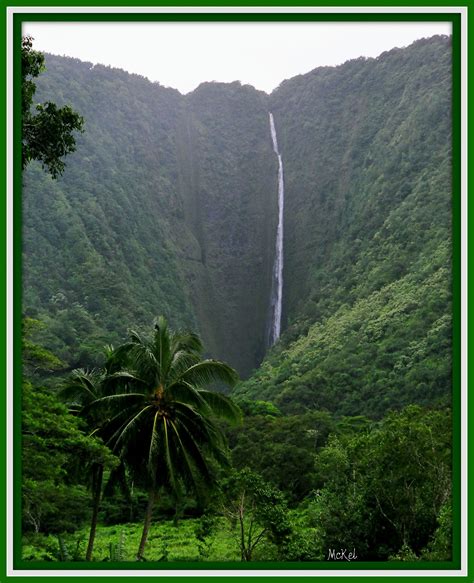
228	185
169	205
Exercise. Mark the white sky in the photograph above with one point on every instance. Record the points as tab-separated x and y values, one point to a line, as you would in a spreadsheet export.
183	55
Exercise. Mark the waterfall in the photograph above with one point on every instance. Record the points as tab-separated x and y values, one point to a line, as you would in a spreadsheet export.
277	279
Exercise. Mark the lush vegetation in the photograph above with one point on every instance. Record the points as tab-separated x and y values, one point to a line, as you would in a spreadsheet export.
298	486
367	154
47	134
341	438
167	207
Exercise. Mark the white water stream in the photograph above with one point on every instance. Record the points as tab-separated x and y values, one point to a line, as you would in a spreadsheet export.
277	280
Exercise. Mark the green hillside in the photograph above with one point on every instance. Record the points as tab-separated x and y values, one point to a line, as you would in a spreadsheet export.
337	437
167	207
367	154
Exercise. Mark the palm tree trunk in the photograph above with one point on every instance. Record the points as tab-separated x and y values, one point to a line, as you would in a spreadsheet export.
95	509
146	524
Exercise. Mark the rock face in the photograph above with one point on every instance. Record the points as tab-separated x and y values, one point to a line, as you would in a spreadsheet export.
229	182
170	205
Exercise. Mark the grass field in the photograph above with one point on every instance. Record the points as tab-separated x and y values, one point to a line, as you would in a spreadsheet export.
166	542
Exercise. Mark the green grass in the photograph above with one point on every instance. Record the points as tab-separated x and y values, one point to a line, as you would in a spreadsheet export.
166	542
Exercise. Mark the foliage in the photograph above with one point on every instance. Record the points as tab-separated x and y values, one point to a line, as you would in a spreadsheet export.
160	419
162	210
53	447
305	542
116	550
404	554
367	154
384	489
389	350
251	408
162	382
281	449
72	552
178	543
35	358
169	206
258	509
204	533
80	390
54	454
440	546
171	201
47	135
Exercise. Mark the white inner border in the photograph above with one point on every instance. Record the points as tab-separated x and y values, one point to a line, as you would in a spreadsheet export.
11	572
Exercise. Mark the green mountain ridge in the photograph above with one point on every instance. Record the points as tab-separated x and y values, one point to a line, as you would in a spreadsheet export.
367	154
169	205
155	214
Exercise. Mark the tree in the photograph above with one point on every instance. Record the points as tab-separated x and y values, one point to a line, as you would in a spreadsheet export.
83	388
385	487
281	449
36	360
163	423
53	448
47	135
258	508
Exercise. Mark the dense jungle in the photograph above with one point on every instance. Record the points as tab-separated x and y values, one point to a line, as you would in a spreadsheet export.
161	422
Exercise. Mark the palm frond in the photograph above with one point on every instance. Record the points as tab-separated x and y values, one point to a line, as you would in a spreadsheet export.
192	456
145	363
136	338
126	375
168	458
122	382
82	387
112	427
188	342
113	401
152	407
183	392
161	348
180	363
153	449
207	372
222	406
130	426
203	430
119	357
161	324
214	446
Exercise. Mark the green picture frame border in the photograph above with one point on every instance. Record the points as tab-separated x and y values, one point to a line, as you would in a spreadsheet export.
182	15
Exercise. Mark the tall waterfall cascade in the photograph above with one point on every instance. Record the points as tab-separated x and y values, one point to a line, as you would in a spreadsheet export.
277	278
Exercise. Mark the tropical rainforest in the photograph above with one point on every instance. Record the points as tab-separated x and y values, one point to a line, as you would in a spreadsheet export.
158	424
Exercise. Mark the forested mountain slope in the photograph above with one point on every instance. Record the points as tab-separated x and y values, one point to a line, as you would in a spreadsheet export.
169	205
367	154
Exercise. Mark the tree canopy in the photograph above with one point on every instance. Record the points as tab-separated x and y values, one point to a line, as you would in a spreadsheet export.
48	131
161	420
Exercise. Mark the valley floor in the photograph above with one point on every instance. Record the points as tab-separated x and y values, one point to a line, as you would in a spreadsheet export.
166	542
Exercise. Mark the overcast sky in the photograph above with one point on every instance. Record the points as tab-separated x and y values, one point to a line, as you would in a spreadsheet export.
182	55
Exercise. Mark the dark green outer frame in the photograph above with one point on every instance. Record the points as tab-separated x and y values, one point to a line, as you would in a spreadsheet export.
180	15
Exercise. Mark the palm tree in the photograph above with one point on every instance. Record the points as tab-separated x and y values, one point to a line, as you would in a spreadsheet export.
81	389
163	422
